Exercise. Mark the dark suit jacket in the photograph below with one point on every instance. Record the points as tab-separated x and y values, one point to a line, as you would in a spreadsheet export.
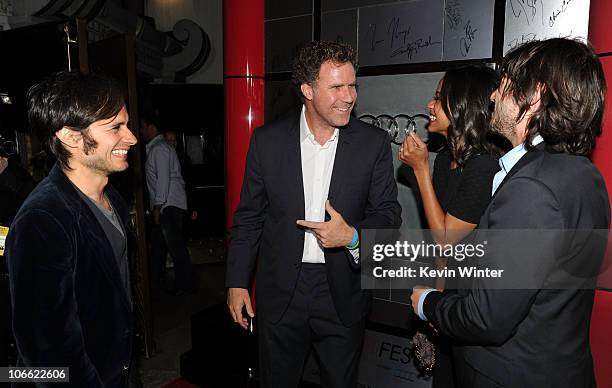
362	189
538	336
69	306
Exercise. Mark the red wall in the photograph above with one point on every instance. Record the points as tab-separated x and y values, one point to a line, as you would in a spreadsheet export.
600	36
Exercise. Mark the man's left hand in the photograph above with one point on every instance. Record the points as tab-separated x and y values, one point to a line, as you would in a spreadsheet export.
333	233
156	215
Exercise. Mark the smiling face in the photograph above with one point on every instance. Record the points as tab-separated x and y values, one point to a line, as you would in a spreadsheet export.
438	121
112	140
331	99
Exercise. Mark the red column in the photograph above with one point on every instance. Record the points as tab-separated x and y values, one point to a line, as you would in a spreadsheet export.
600	35
243	82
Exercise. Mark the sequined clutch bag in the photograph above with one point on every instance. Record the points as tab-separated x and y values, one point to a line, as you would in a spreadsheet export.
424	352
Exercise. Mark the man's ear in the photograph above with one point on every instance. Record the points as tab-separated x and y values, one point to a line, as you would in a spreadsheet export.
69	137
537	97
307	91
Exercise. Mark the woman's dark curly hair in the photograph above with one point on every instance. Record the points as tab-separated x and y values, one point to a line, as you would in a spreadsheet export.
310	57
572	88
465	97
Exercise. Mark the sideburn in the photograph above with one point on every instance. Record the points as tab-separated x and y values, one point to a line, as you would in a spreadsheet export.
89	144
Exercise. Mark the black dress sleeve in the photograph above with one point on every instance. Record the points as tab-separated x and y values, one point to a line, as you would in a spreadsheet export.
474	190
440	178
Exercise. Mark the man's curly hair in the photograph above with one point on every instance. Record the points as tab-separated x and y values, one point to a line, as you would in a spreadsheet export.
311	56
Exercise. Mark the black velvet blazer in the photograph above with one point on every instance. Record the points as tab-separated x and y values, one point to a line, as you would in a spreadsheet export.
69	306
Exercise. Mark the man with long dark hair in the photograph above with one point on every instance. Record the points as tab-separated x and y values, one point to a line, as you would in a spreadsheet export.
67	248
537	333
317	161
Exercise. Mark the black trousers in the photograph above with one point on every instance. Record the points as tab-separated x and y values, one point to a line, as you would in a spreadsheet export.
310	322
170	236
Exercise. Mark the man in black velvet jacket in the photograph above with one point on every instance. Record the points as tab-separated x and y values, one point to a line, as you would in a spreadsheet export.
66	248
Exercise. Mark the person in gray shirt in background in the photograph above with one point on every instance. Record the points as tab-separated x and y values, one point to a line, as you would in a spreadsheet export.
168	202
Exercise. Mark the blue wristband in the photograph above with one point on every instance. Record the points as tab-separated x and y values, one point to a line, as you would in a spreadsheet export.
355	242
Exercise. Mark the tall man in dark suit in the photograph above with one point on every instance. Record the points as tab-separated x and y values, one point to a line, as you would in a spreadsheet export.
67	248
536	336
317	162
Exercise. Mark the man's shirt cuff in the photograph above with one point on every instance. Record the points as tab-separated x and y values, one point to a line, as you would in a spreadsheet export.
420	304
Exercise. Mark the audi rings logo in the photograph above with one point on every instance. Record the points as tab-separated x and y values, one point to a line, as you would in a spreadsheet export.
398	126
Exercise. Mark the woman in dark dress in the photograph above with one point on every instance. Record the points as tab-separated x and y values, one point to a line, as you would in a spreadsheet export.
460	190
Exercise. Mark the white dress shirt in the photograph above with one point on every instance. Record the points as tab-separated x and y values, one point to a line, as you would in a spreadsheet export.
508	161
317	166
